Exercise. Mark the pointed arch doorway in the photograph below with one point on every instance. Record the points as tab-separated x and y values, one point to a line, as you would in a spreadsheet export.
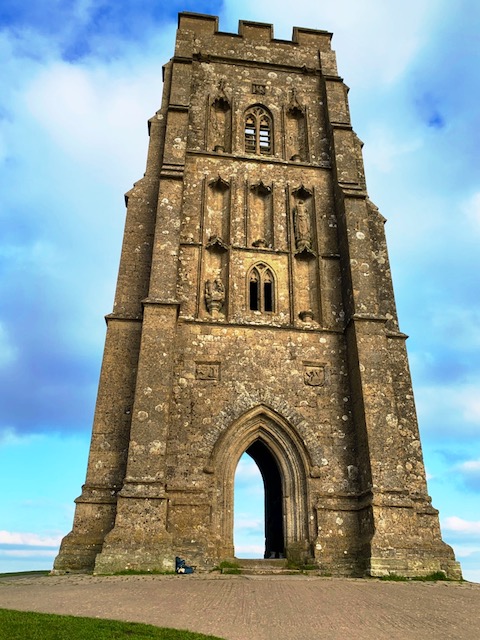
281	458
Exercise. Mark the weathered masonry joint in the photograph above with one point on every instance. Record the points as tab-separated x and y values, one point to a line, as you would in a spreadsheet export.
254	312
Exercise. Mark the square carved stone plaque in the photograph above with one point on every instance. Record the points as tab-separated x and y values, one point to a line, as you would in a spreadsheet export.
207	370
314	374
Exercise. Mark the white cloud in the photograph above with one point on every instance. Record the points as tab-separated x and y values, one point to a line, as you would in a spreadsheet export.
97	115
466	550
464	536
461	526
8	351
472	575
451	410
10	437
470	402
469	472
470	466
252	550
386	147
247	470
472	210
244	522
40	256
24	553
29	539
375	40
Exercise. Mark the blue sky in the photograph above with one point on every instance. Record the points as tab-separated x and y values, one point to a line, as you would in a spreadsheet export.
79	80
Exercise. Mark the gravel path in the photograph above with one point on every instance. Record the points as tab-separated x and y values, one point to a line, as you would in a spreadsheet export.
260	607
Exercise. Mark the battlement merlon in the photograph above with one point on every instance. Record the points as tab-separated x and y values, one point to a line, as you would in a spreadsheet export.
199	34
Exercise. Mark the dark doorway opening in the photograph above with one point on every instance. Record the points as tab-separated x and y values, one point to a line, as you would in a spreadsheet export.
274	534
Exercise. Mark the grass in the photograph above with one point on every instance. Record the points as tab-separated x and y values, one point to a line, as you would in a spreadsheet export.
19	625
436	576
228	567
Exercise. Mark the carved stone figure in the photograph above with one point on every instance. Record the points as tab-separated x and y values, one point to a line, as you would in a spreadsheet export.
296	133
303	234
218	118
214	295
294	106
307	316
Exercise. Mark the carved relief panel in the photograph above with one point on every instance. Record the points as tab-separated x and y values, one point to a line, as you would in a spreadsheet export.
314	374
207	370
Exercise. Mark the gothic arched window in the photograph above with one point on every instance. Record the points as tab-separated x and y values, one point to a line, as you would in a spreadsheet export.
261	289
258	131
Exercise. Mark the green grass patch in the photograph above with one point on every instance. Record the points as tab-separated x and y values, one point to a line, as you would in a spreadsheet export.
394	577
432	577
19	625
232	572
228	567
436	576
301	566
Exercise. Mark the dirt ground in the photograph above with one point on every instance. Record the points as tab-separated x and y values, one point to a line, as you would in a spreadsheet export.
260	607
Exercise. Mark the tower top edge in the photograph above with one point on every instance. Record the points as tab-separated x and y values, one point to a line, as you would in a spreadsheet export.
205	24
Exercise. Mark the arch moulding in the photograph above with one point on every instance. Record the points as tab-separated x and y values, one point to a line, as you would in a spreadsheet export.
263	400
289	451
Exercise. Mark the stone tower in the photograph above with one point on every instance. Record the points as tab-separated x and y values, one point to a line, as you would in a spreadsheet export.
254	312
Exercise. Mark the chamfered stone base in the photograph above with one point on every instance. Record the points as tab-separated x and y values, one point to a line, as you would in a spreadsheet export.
77	554
416	562
136	558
